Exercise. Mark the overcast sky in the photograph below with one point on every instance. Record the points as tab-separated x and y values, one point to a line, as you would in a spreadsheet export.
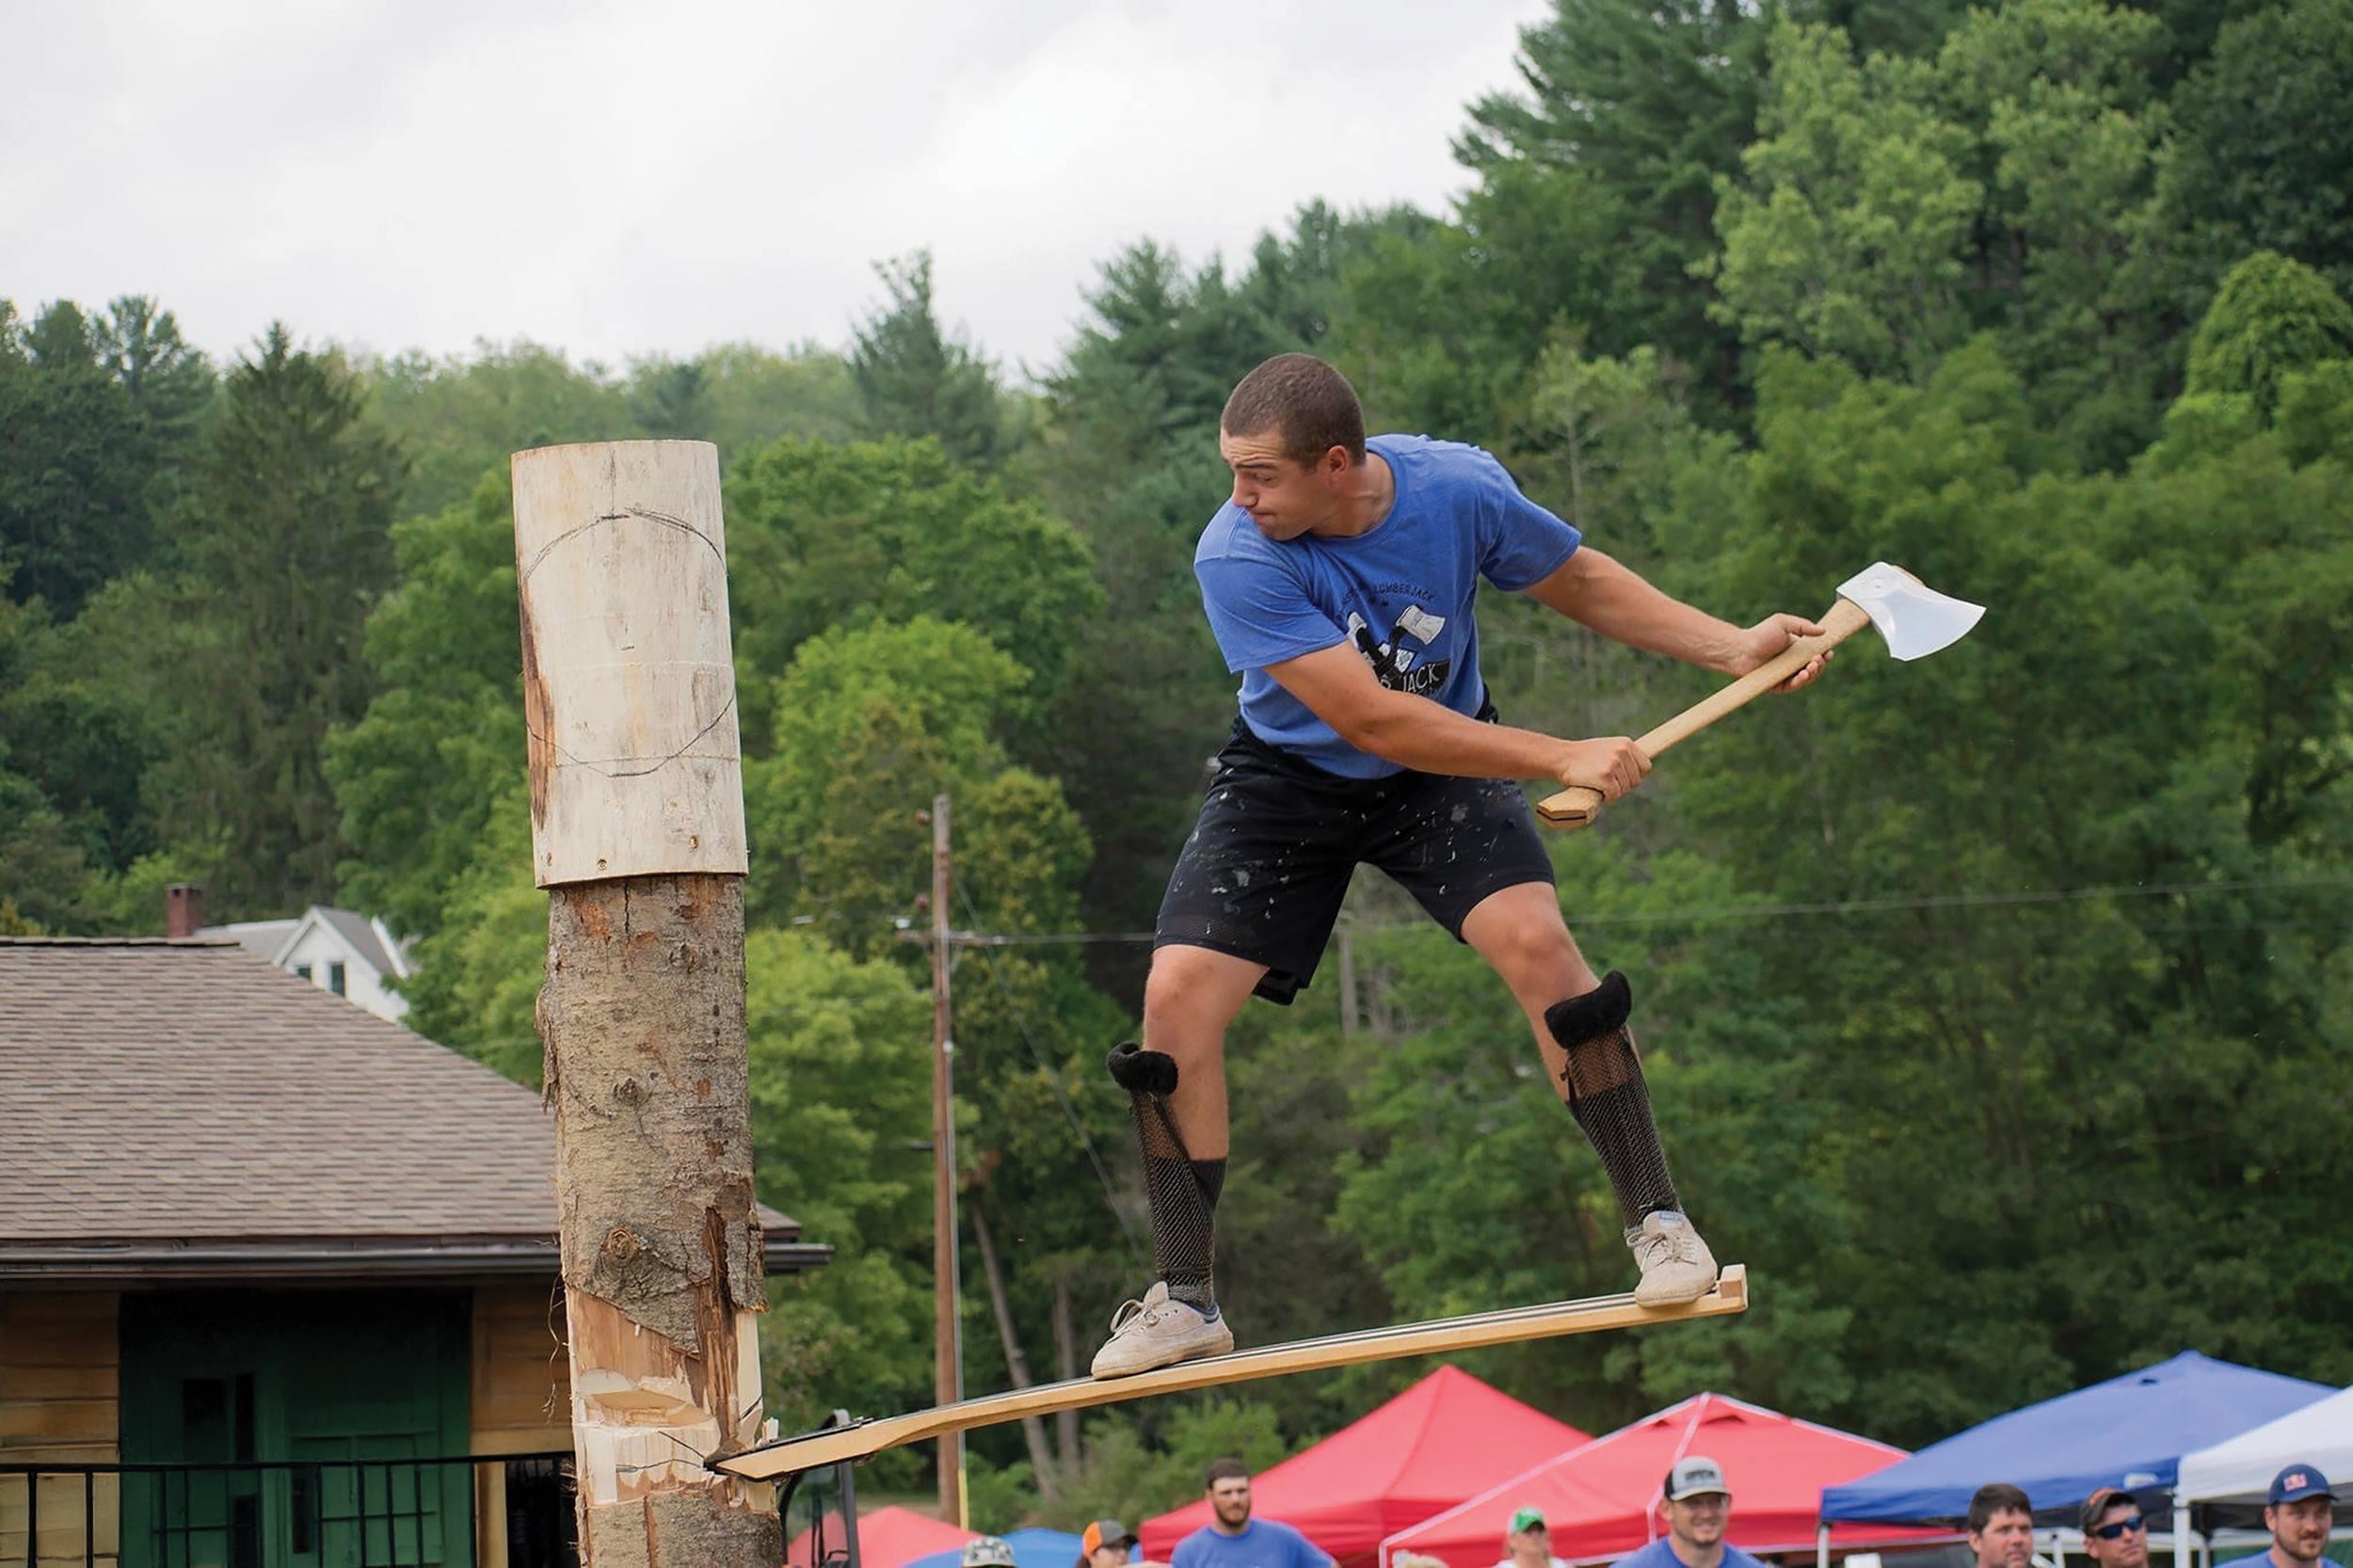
623	179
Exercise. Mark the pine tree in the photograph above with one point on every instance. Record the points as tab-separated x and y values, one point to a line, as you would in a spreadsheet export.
288	545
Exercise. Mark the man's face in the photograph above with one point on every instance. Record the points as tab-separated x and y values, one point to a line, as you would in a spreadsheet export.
1284	496
1532	1545
1701	1518
2299	1529
1229	1497
2130	1547
1108	1557
2007	1541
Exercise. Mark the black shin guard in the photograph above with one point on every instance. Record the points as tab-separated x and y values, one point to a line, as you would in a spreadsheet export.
1183	1191
1606	1094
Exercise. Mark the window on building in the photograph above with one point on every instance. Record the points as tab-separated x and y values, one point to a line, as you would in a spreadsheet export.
335	976
303	969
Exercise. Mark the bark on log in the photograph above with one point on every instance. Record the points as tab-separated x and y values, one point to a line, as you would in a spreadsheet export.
642	1016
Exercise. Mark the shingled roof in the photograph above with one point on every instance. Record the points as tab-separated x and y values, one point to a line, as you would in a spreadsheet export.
182	1109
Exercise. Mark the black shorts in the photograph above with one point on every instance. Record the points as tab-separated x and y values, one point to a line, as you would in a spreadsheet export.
1263	876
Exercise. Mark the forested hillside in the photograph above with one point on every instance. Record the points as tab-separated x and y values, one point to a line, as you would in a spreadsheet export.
1997	1008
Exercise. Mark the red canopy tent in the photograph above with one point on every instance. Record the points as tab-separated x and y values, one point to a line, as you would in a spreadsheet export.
1601	1500
1444	1438
885	1538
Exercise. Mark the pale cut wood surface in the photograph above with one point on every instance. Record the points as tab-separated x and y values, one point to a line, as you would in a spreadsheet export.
1550	1320
1577	807
629	676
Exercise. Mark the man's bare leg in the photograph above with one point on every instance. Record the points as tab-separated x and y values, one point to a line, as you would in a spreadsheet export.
1579	1022
1177	1084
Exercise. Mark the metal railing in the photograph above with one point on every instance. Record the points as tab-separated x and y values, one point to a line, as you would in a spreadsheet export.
472	1512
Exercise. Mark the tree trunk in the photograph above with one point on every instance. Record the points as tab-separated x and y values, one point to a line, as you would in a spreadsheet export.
637	834
1017	1364
643	1020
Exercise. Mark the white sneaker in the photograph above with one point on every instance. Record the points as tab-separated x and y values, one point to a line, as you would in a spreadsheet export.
1677	1267
1157	1332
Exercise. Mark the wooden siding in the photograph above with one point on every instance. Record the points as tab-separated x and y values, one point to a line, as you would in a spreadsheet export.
60	1401
522	1389
521	1395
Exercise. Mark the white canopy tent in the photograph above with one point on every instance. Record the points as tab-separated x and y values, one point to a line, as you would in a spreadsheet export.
2240	1469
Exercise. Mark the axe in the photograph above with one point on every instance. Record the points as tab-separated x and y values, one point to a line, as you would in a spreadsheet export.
1915	619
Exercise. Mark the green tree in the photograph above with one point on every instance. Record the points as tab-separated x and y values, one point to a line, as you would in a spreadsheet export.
458	418
439	745
2261	152
821	534
288	547
76	457
2272	316
916	378
1599	185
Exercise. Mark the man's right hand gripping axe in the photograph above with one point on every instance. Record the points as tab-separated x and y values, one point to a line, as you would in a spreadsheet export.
1915	620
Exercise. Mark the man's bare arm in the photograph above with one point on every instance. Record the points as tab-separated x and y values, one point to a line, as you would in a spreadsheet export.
1413	732
1595	590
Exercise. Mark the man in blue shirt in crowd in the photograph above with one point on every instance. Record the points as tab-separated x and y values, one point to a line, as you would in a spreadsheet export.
1232	1539
1340	581
1698	1506
2297	1511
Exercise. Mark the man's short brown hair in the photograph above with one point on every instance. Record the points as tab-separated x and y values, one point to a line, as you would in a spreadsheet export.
1996	1498
1302	400
1224	1469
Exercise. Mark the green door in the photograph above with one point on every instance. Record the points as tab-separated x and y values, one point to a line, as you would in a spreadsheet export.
364	1385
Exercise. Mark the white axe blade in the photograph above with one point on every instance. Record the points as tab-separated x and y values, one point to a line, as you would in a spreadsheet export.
1915	619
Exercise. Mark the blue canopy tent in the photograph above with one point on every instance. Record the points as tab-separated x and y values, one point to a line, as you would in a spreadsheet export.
1031	1548
2129	1433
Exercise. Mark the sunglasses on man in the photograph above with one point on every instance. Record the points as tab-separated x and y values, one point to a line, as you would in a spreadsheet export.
2122	1527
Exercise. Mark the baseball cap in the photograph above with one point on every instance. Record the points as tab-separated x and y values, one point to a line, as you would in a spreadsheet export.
1104	1532
1527	1518
2297	1482
1694	1477
2098	1502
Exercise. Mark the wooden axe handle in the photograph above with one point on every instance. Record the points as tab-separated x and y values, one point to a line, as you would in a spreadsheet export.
1576	806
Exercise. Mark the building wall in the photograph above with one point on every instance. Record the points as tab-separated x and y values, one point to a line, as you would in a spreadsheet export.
60	1402
523	1393
363	986
523	1385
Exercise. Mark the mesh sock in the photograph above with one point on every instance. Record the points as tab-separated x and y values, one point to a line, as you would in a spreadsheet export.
1607	1096
1181	1190
1210	1174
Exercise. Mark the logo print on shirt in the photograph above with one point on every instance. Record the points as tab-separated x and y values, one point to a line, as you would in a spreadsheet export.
1396	665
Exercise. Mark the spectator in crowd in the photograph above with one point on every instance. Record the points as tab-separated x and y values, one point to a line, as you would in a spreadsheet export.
2297	1511
1698	1506
1109	1543
1232	1539
2001	1527
1104	1545
1527	1541
2115	1532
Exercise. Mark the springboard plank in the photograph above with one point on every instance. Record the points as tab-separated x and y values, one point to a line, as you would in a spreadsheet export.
1550	1320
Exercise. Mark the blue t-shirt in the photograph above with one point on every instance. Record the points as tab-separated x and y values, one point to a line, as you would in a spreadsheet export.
1263	1543
1402	592
1661	1554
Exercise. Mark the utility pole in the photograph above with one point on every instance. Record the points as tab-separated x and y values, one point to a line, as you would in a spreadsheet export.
637	835
948	1333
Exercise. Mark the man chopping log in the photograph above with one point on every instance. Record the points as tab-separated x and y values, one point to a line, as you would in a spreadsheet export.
1339	582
